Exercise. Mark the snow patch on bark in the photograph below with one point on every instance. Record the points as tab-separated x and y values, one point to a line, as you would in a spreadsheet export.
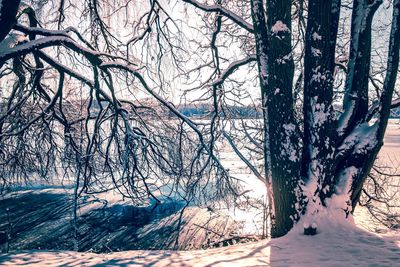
289	150
344	119
279	26
316	36
264	66
338	207
320	114
284	59
11	40
340	201
319	76
362	139
316	52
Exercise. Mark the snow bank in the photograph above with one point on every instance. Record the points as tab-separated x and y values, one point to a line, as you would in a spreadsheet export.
336	244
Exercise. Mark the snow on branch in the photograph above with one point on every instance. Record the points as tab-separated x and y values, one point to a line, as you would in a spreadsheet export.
39	31
227	13
64	69
243	158
175	111
134	72
375	107
361	140
233	67
46	32
395	103
45	42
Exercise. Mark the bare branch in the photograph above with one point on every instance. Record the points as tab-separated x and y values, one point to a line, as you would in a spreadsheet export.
232	16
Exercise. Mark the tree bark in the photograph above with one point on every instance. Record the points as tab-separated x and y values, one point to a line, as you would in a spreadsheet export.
276	67
319	121
8	13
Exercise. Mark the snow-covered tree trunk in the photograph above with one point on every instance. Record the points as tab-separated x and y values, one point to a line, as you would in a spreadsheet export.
319	122
340	153
275	63
337	153
353	123
370	138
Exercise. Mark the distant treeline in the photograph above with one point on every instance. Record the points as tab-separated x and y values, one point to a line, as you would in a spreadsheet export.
205	111
149	108
395	113
250	112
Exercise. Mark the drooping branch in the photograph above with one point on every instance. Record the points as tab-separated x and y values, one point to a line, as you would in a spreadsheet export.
232	68
175	111
243	158
227	13
51	41
373	110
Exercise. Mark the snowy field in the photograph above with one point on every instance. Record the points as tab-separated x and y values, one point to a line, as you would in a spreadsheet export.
336	244
391	148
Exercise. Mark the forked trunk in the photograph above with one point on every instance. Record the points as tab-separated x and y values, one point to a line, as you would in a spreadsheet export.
337	153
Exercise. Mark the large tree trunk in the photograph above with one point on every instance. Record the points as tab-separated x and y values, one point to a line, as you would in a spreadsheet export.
275	62
8	12
319	121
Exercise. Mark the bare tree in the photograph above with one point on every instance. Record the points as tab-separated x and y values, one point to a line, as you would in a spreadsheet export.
292	51
75	103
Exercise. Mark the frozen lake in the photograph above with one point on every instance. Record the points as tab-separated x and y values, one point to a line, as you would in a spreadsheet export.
391	147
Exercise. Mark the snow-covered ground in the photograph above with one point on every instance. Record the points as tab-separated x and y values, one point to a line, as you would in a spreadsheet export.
336	244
